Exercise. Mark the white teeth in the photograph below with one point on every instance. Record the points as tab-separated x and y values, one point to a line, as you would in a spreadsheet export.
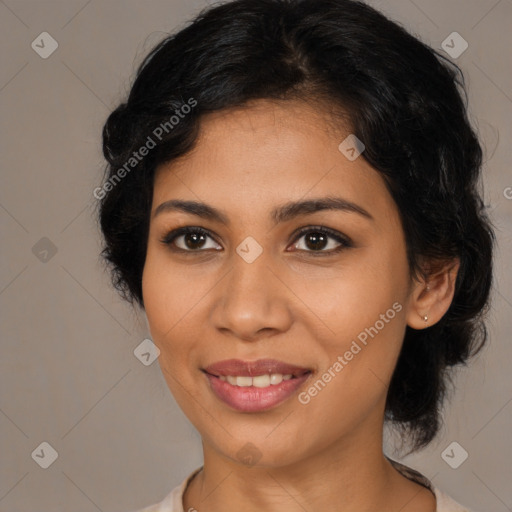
260	381
276	378
244	381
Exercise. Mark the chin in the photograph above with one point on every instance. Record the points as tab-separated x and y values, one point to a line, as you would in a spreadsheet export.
260	452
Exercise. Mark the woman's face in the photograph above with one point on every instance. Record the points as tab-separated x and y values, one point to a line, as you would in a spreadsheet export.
327	308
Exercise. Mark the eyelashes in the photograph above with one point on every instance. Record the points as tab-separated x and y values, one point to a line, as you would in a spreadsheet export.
188	230
325	234
197	237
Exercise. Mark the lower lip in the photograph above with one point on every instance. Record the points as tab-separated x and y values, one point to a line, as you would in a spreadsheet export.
251	398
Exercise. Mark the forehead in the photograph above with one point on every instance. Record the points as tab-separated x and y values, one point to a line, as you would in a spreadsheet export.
267	153
264	126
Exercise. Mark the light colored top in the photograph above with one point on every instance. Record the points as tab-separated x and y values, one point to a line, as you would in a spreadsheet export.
173	502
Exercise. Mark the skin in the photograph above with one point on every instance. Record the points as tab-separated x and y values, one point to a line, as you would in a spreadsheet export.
210	305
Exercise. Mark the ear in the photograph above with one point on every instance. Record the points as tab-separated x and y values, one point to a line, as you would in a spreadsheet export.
431	296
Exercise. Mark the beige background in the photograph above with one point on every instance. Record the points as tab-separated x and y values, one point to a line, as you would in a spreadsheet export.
68	372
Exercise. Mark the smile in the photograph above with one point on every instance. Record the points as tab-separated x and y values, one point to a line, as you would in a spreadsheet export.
261	381
254	386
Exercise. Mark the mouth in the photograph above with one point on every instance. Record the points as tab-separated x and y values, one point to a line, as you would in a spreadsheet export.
261	367
254	386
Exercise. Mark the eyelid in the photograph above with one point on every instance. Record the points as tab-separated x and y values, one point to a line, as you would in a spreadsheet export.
171	235
332	233
343	240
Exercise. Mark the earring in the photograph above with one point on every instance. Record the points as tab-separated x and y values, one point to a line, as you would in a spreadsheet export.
425	317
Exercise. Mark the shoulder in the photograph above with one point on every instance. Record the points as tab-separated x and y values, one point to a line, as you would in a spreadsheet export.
173	502
447	504
444	502
163	506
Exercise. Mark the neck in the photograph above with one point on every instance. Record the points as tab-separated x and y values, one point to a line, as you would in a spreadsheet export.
352	475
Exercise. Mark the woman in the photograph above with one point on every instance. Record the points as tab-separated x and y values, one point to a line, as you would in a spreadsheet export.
291	197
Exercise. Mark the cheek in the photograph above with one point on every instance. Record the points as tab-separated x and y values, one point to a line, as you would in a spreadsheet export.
172	301
353	296
353	383
164	307
167	295
364	309
154	286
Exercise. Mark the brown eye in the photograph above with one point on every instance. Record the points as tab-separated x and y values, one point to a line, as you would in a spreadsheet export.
321	240
316	240
188	239
193	240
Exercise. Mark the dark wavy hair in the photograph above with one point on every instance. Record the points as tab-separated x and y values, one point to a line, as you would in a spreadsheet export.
399	96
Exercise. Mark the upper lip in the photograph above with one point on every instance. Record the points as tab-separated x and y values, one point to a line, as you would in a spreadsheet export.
237	367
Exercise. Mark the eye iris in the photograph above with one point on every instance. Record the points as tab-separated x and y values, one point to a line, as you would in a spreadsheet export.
196	239
317	240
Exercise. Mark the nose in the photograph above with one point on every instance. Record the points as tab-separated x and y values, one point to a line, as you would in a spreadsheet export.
252	302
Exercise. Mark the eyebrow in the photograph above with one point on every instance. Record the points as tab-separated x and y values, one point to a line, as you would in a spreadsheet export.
282	213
